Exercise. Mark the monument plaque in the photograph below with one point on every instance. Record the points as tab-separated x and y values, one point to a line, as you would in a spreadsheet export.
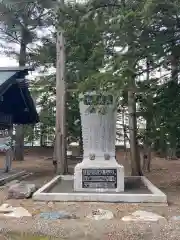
98	99
99	171
99	178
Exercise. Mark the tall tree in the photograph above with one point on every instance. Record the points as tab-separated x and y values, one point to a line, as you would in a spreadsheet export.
119	45
163	18
127	37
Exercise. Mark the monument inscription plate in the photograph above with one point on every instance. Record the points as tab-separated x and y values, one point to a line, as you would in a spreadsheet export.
97	99
99	178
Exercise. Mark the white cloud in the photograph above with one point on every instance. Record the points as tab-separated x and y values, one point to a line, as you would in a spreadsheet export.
10	62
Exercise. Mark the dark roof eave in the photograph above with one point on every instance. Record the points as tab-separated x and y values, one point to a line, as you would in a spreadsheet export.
10	82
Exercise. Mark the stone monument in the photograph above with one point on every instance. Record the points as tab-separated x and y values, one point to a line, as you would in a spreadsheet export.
99	170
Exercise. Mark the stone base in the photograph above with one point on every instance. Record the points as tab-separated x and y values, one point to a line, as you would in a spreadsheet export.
61	189
86	178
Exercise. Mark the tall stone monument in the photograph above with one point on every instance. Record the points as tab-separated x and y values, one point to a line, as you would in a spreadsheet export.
99	171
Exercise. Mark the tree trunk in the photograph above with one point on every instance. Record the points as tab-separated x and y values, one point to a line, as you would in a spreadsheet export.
33	137
19	139
162	144
134	151
19	143
148	141
61	146
124	134
172	148
147	157
43	136
54	156
174	67
172	154
174	77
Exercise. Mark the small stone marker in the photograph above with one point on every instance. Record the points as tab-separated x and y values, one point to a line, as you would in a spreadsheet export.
101	214
57	215
143	216
175	218
17	212
13	182
21	190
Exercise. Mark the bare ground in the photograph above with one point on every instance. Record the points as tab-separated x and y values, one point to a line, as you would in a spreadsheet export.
164	174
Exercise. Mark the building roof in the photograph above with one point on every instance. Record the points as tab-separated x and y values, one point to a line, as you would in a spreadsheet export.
15	97
10	69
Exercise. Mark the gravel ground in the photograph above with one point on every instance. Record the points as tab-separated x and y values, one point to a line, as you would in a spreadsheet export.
164	174
91	230
85	229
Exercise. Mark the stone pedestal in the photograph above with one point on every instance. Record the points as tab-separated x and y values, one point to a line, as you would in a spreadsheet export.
99	171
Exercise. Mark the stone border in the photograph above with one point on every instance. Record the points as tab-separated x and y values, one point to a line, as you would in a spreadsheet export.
7	179
156	195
